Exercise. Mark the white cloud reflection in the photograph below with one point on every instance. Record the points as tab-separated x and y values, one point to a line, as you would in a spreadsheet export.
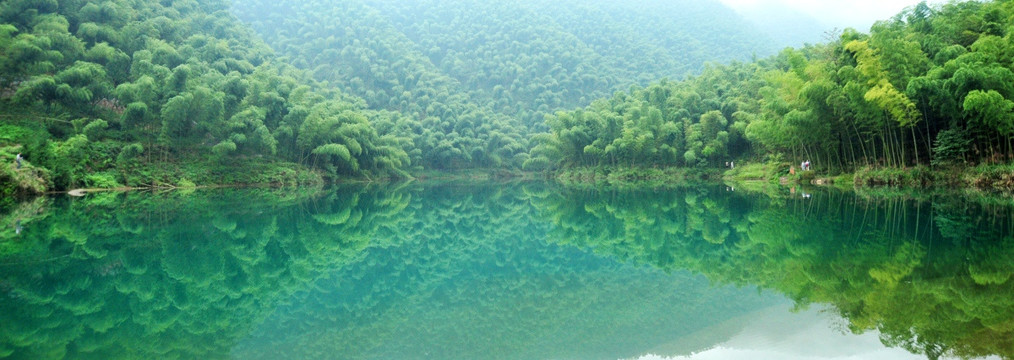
779	334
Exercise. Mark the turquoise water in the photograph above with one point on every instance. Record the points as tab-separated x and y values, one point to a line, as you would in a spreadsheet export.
507	271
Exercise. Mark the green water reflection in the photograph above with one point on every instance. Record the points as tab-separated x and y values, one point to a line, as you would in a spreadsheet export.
493	271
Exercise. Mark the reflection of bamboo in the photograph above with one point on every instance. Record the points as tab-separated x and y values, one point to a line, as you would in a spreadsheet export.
36	261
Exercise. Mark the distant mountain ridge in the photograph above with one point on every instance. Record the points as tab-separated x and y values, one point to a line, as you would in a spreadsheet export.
523	59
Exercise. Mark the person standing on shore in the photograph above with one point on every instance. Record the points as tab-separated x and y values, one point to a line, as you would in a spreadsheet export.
18	160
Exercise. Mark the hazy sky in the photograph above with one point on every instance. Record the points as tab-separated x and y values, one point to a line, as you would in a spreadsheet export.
858	14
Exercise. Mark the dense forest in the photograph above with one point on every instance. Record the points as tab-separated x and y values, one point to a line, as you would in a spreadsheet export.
474	79
523	59
143	93
139	93
931	86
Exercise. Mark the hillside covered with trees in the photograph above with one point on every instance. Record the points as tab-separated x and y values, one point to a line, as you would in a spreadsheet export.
472	79
137	93
931	86
141	93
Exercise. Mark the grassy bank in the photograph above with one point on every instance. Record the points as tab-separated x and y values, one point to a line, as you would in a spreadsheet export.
645	175
18	182
207	173
474	174
31	180
983	176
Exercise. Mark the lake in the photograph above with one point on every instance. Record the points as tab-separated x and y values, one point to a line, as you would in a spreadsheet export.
519	270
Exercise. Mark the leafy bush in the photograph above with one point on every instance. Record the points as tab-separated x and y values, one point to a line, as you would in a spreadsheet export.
916	176
951	146
101	180
184	183
129	152
95	129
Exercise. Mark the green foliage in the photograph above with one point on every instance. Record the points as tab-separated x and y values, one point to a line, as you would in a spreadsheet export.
130	152
95	129
101	180
16	183
917	176
665	125
770	171
467	82
224	148
337	150
951	146
987	176
926	87
991	109
98	62
184	183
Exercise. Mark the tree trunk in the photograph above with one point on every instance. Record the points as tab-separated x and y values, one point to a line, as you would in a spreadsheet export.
915	144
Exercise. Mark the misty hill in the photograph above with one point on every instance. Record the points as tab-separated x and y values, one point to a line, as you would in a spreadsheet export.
524	59
787	26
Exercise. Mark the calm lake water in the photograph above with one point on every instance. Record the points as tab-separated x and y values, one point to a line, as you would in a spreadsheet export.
508	271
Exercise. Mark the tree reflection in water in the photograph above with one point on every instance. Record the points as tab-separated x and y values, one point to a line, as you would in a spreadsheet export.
930	272
192	275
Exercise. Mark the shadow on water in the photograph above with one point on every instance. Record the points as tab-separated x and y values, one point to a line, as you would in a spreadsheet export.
492	270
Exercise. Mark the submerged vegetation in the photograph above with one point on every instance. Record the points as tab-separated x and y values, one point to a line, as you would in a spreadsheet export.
141	93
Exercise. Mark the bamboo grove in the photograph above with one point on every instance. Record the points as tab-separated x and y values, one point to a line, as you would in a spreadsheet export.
136	92
931	86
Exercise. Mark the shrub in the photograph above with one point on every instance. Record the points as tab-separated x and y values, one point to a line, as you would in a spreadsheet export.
951	146
130	152
184	183
101	180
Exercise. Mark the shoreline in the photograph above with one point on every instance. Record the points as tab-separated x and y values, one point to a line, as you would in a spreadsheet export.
989	177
